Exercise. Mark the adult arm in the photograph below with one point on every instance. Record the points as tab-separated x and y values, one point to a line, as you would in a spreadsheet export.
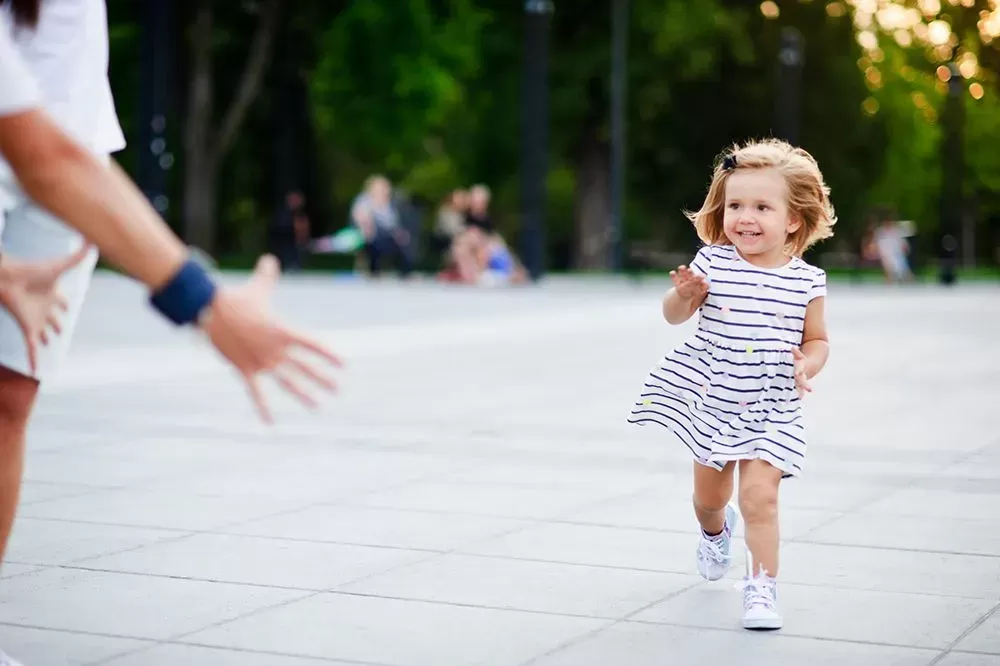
101	202
106	207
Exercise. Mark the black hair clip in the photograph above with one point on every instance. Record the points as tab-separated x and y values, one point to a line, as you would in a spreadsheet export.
729	163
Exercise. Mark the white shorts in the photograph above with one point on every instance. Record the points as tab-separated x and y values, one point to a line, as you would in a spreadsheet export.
28	232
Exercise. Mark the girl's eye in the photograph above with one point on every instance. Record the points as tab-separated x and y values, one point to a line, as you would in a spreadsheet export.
763	207
733	206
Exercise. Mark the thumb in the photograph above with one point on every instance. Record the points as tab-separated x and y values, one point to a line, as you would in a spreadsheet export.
72	260
29	340
797	353
265	275
32	354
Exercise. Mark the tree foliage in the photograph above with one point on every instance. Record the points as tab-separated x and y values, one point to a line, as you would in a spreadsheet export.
390	79
429	92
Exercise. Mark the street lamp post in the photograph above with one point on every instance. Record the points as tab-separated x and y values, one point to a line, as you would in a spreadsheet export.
952	159
154	160
534	133
619	78
790	62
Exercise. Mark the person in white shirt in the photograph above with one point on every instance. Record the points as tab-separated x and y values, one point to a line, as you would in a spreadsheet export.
54	159
66	51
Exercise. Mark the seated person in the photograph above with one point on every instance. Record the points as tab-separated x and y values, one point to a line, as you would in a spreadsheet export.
450	221
478	209
377	219
484	259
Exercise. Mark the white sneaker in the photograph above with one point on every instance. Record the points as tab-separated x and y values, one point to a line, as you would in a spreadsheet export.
7	661
760	597
713	552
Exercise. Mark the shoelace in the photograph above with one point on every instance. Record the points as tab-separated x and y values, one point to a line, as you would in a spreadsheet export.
709	550
757	591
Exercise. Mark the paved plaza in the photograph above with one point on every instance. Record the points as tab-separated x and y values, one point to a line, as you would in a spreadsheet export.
475	496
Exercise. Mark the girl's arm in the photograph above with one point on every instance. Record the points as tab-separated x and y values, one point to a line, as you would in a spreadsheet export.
815	343
685	297
677	309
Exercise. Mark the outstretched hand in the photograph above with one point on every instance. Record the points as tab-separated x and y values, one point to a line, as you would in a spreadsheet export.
801	372
28	290
689	285
240	326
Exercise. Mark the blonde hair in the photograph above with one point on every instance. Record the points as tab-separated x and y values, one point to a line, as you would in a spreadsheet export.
808	194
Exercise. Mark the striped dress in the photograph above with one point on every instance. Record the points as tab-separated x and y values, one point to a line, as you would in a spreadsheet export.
728	393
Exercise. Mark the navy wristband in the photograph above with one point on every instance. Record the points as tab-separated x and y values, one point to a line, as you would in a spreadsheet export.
189	292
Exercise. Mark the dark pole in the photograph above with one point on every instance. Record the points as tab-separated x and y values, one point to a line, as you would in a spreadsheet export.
285	114
790	60
951	181
534	133
154	160
619	79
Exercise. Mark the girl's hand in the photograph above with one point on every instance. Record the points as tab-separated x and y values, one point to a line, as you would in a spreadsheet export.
690	286
801	376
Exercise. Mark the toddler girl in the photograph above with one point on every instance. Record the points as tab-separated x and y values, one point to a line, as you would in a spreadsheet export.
732	393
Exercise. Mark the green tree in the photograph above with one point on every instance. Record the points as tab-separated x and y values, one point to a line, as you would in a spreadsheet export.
388	83
908	48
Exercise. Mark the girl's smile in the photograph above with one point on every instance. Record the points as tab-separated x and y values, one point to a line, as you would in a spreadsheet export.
757	219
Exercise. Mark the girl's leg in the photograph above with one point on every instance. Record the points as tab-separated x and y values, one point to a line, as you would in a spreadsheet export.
712	491
759	506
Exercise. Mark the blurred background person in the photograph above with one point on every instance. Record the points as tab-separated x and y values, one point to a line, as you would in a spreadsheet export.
374	213
290	232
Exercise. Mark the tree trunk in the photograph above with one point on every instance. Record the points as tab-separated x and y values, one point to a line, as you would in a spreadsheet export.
592	205
199	200
204	148
199	178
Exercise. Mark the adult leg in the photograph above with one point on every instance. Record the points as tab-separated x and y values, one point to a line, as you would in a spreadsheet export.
376	250
30	233
404	254
18	396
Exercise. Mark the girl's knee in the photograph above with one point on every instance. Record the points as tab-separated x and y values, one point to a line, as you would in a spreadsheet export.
759	501
712	488
712	502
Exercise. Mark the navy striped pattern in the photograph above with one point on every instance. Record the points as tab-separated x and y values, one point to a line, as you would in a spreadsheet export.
728	393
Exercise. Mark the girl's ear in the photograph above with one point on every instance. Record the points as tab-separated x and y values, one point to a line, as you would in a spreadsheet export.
794	223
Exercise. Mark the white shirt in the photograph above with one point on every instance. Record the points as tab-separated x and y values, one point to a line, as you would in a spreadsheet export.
67	55
18	89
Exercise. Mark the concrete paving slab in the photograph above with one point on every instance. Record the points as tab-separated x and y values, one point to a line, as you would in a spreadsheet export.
399	632
63	648
984	638
647	645
473	495
918	620
126	605
306	565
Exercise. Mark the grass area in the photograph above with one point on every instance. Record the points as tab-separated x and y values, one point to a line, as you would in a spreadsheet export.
925	274
333	264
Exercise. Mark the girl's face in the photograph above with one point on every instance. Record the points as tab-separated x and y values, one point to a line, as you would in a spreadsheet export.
757	220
